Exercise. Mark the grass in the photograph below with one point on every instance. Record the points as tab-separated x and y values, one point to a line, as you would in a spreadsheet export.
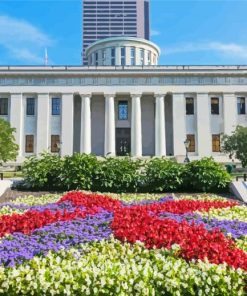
8	175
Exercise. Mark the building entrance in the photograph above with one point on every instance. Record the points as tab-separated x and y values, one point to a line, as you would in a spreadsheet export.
123	139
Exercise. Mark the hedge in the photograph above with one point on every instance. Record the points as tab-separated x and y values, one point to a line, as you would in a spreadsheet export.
86	172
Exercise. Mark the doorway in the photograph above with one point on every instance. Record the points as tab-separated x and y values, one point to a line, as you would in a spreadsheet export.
123	141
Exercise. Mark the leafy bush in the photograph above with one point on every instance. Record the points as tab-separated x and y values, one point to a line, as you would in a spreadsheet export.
43	172
79	171
118	175
82	171
163	175
206	175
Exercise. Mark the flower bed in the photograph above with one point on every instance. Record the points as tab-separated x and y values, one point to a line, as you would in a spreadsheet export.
92	244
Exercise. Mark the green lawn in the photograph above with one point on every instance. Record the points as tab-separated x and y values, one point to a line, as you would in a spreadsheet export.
12	174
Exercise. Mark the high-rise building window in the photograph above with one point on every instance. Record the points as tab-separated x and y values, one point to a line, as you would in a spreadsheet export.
56	106
113	56
215	106
122	56
142	56
103	57
192	146
241	106
149	57
4	106
132	56
96	59
189	106
55	143
123	110
216	143
29	145
30	110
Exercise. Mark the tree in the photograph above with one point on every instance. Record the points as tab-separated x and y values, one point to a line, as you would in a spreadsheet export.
8	147
236	144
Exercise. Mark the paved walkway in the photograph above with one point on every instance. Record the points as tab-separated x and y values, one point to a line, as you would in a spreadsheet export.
4	185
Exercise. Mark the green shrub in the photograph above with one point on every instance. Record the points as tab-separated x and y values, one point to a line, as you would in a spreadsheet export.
118	175
163	175
82	171
79	171
43	172
206	175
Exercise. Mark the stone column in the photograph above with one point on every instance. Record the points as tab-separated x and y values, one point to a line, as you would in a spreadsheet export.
179	124
160	133
67	120
110	137
43	122
230	113
136	126
16	120
203	116
85	123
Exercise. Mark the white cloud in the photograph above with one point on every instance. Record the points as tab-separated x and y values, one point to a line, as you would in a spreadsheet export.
154	33
23	41
232	50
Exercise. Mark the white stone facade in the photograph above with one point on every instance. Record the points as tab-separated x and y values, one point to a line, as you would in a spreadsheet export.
90	98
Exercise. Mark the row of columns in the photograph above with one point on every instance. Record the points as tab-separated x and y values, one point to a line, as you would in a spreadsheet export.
203	123
136	125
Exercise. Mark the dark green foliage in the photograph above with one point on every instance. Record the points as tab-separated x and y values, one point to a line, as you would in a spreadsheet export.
118	175
8	147
236	144
206	175
163	175
43	172
82	171
79	171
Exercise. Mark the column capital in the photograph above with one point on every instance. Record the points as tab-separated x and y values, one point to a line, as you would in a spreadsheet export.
133	96
159	96
107	96
85	95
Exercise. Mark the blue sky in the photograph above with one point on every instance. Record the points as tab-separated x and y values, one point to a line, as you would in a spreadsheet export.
188	32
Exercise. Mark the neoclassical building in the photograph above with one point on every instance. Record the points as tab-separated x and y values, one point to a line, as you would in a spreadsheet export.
123	103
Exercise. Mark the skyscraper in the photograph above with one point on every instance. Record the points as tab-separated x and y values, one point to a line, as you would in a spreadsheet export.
111	18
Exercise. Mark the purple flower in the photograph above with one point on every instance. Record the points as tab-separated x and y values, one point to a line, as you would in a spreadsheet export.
60	235
234	227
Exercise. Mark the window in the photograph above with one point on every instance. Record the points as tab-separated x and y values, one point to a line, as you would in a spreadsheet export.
149	57
30	110
241	105
103	57
96	59
56	106
113	56
29	147
55	143
154	59
132	56
4	106
215	109
189	106
123	110
122	56
142	56
216	143
192	146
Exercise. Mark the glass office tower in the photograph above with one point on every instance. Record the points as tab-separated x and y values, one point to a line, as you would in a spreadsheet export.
112	18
